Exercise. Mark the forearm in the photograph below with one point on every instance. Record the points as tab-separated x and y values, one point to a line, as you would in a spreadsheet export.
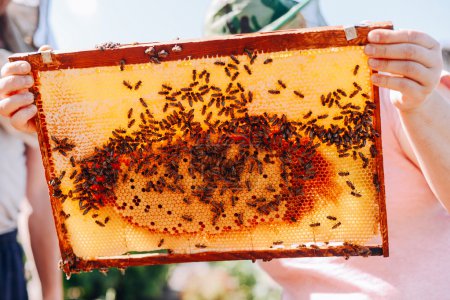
45	252
428	130
42	230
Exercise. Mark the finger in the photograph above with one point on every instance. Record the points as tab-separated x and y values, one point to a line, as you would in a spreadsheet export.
10	105
385	36
23	119
406	86
401	51
13	83
409	69
45	48
16	68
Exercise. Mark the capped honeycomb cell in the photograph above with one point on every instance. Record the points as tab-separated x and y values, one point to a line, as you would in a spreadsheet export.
248	147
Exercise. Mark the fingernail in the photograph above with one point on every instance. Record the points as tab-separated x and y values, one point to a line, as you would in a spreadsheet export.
374	78
29	97
369	50
24	67
373	37
373	62
28	80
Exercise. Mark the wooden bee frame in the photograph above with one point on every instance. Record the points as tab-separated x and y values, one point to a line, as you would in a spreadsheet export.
226	49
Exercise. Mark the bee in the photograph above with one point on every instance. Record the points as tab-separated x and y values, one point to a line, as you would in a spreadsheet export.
219	63
356	85
342	92
350	184
106	220
268	61
72	161
355	70
208	117
344	173
131	123
144	104
274	92
163	53
203	109
203	73
155	59
298	94
201	246
161	242
137	85
227	71
240	218
233	58
282	84
322	116
307	115
232	66
150	51
177	48
247	68
248	52
365	95
314	224
373	151
62	175
270	188
241	88
167	87
278	243
166	106
353	193
331	218
187	218
122	64
130	113
338	118
235	75
376	182
250	96
99	223
194	75
73	174
336	225
127	84
353	94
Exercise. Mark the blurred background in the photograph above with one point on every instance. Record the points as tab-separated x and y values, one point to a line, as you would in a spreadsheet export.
81	24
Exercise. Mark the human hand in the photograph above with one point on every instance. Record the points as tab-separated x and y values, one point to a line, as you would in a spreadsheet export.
16	102
412	58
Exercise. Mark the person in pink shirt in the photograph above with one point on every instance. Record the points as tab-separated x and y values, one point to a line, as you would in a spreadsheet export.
416	149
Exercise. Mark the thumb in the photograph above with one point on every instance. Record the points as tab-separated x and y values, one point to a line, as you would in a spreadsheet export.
45	48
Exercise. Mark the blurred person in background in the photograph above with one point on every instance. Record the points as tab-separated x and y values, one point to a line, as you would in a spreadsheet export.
416	150
22	176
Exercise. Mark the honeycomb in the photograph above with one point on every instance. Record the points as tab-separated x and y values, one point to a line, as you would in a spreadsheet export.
253	151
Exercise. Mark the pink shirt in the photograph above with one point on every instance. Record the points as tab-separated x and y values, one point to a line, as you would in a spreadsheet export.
419	238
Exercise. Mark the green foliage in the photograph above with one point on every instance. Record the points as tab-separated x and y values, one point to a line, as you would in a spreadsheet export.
137	283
